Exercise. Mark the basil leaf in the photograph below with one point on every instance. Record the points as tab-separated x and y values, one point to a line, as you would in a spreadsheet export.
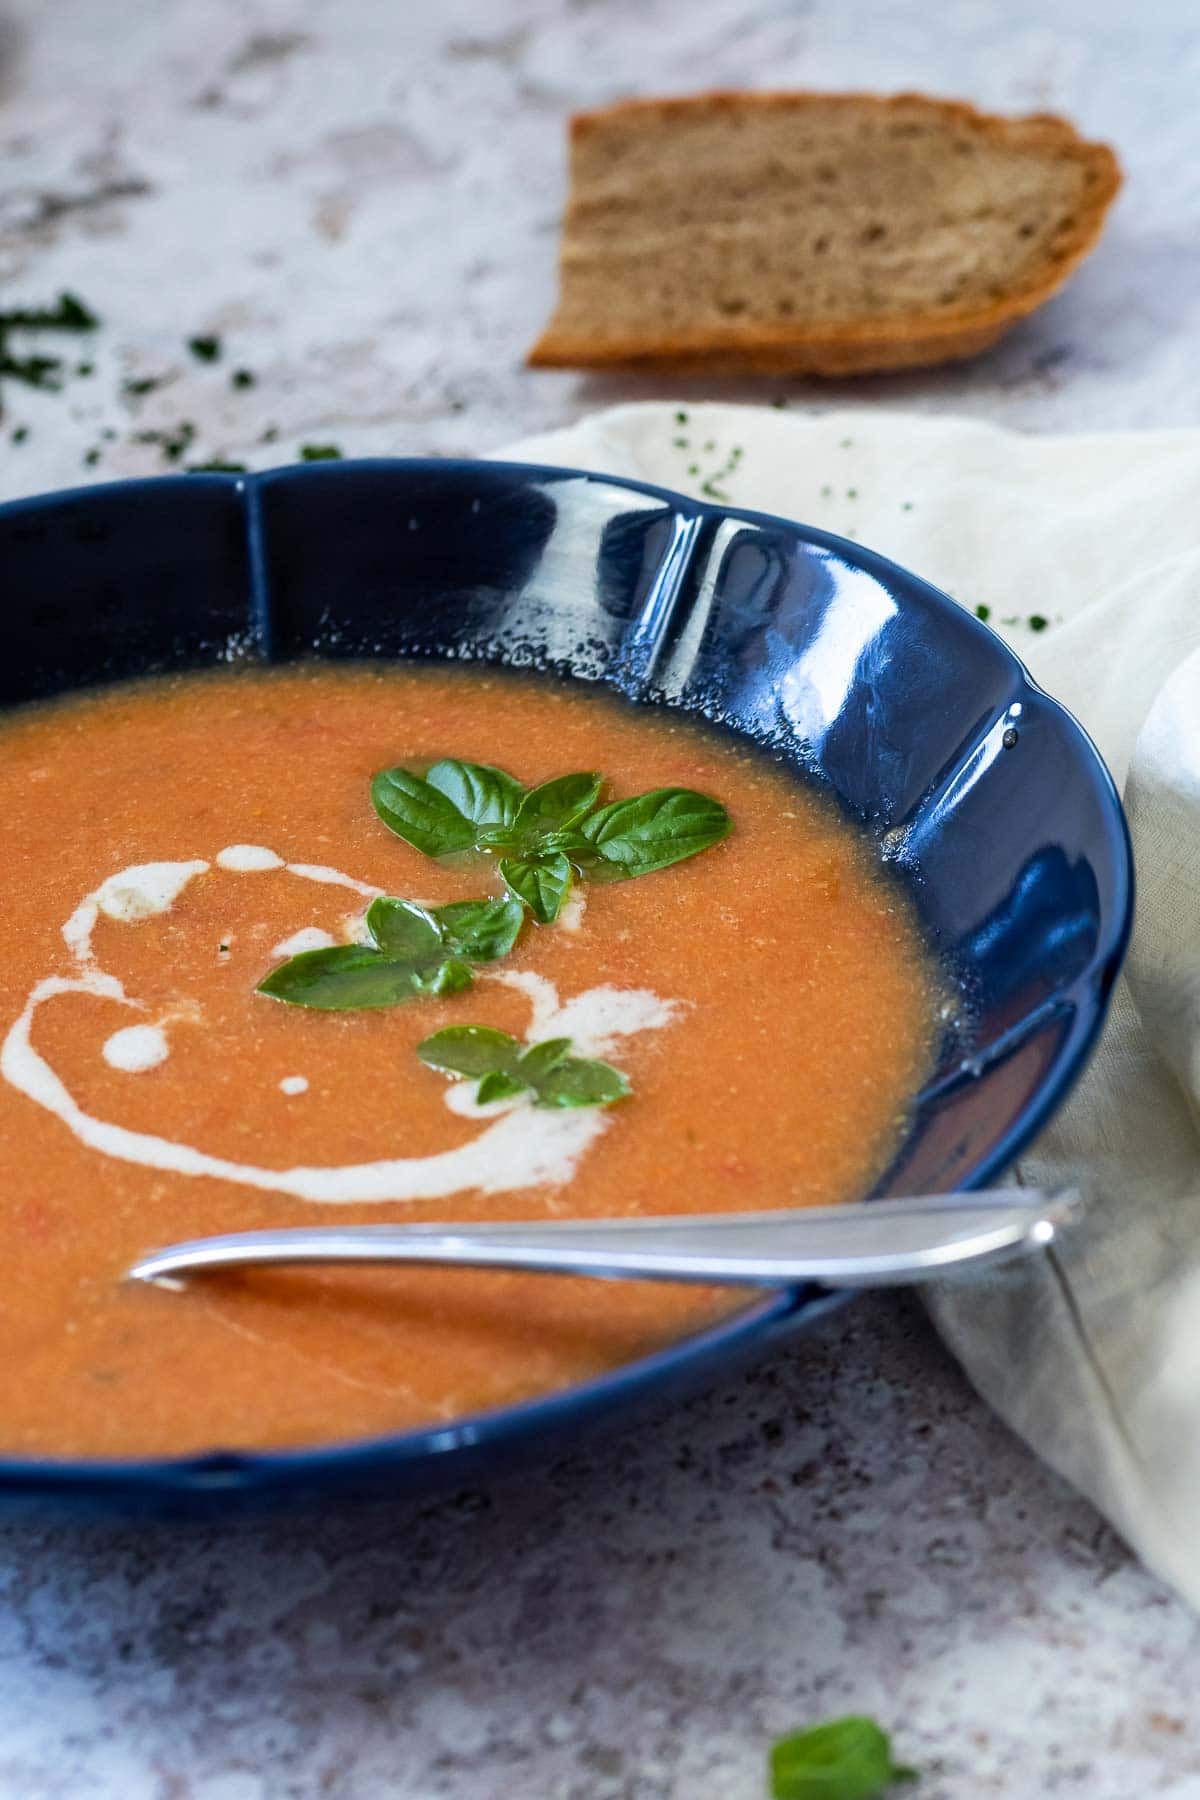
634	837
418	952
449	977
342	977
481	930
580	1082
846	1759
571	841
498	1086
539	1059
469	1050
542	882
419	813
404	930
555	1077
501	840
481	794
558	804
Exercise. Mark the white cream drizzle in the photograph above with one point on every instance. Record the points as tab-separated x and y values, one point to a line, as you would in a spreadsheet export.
130	895
521	1146
136	1048
335	878
247	859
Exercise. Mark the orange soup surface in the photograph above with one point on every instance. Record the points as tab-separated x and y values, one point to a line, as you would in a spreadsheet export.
768	1001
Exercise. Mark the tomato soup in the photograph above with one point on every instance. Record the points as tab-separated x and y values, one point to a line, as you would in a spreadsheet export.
739	1028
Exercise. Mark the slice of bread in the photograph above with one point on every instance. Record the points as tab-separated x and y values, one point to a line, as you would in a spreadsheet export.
823	234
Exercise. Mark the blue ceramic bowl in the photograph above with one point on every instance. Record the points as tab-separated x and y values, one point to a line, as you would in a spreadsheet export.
989	800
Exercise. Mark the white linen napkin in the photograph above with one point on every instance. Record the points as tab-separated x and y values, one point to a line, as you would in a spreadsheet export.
1093	1355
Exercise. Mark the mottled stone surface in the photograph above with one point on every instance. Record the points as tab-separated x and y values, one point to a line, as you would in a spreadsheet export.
361	199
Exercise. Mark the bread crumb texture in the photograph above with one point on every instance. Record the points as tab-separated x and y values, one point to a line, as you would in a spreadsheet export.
825	234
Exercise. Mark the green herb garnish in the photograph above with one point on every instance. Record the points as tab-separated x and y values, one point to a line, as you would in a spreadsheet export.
35	371
711	485
545	835
242	378
216	465
415	951
320	453
173	442
137	385
846	1759
506	1067
206	348
983	611
67	314
1038	622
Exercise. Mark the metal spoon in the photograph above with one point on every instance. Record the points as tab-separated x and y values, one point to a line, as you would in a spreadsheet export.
877	1245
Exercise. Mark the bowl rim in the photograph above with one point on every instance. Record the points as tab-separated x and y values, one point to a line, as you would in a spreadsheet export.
333	1463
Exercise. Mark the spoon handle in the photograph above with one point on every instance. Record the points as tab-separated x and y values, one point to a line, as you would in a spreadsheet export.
883	1243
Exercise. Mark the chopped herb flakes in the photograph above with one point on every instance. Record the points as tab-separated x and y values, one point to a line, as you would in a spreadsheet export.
320	453
172	442
39	371
35	371
216	465
711	485
242	378
681	418
91	458
138	385
1033	621
20	433
68	314
205	348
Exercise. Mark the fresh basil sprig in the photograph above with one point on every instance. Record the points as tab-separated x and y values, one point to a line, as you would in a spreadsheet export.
845	1759
506	1067
542	836
416	951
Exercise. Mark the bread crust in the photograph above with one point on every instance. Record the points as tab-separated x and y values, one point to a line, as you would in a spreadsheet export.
913	341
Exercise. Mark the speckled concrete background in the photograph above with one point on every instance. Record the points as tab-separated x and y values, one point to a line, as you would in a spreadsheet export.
362	198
